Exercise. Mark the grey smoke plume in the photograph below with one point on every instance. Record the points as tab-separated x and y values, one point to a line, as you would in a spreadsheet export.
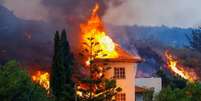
180	13
70	13
27	9
57	11
62	14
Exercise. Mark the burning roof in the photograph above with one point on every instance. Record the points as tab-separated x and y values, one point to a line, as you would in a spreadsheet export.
99	44
123	56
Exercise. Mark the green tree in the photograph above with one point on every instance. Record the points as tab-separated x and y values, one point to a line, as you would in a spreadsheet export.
16	85
97	88
169	94
192	92
61	83
172	81
68	63
57	77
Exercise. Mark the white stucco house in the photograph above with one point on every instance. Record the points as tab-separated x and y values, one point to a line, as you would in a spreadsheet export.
123	69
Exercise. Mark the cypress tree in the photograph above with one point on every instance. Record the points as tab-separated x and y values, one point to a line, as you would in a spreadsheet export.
68	62
54	71
61	72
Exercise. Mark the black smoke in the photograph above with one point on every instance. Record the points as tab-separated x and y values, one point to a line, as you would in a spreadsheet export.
70	13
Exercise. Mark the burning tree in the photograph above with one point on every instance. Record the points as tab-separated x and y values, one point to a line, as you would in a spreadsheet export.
61	84
16	85
96	45
42	78
174	65
95	87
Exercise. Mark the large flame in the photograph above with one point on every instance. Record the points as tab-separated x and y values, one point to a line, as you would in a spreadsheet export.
94	29
42	78
173	65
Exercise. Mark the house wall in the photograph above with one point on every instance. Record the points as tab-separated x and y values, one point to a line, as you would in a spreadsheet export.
127	84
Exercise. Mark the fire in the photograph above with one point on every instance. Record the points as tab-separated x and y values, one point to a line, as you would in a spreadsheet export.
42	78
94	29
173	64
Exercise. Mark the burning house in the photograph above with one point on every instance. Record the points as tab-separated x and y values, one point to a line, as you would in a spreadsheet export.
123	69
103	50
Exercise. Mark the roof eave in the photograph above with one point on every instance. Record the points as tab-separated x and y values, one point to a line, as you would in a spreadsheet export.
134	60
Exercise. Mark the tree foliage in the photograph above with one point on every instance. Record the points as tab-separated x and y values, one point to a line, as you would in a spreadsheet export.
148	94
16	85
190	93
62	86
171	80
97	86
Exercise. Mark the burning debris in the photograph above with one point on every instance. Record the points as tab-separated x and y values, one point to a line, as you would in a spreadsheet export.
178	69
42	78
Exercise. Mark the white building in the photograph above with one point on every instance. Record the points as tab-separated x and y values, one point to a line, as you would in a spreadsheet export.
123	69
147	83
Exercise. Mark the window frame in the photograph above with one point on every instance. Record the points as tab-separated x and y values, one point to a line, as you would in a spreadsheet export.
120	97
119	72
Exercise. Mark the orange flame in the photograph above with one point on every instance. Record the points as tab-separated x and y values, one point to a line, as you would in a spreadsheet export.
173	65
42	78
94	29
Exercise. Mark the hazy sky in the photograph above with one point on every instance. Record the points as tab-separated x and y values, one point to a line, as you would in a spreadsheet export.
27	9
180	13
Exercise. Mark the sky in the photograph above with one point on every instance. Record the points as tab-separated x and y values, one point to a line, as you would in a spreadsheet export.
179	13
27	9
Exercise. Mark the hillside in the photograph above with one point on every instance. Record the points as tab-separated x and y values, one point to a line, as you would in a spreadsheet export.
30	42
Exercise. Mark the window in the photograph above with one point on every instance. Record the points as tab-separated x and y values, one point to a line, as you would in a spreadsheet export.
119	73
120	97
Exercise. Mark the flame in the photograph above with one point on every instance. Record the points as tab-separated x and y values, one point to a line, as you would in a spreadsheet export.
94	29
173	64
42	78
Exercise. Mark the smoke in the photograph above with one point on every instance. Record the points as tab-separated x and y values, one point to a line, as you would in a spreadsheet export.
1	1
180	13
27	26
70	13
27	9
60	12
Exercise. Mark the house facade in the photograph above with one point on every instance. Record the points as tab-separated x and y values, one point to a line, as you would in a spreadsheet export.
123	69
